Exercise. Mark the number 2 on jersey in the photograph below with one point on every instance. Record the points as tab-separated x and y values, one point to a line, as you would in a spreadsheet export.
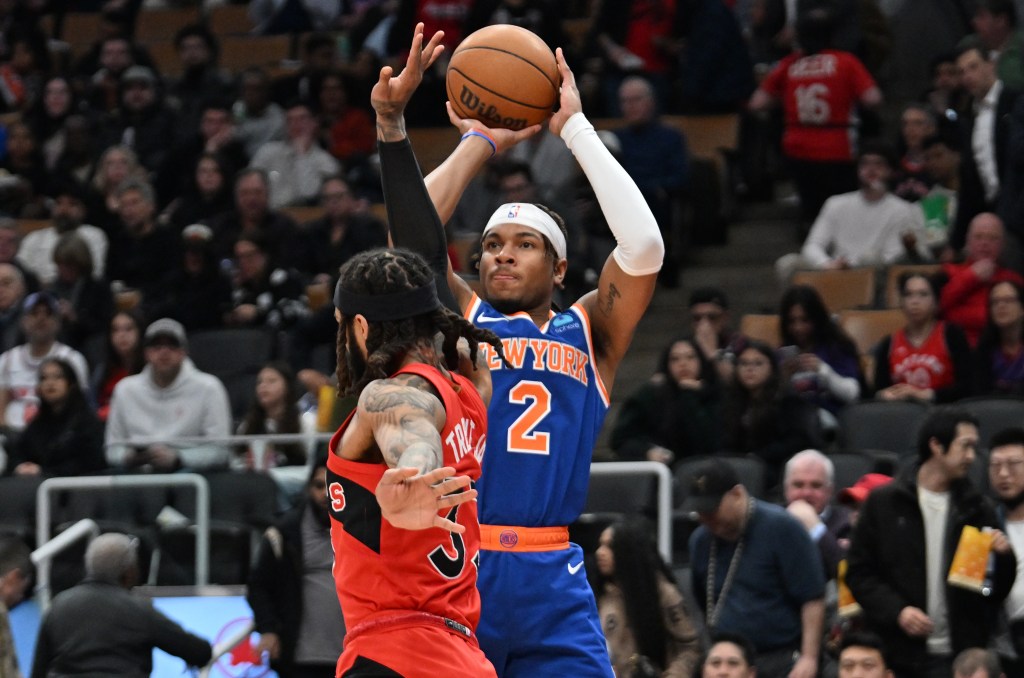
522	434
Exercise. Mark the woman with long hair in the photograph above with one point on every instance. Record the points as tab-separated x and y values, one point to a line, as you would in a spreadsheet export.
929	359
208	194
645	621
819	360
275	409
999	356
676	414
124	357
763	417
64	438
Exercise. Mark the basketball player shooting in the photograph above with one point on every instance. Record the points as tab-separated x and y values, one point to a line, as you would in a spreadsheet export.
549	402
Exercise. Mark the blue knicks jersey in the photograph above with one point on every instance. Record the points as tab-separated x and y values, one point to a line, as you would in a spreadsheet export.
544	418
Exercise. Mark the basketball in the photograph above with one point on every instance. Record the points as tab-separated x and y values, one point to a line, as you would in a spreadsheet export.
504	76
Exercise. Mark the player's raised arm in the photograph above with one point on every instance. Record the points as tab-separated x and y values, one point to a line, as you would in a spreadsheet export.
628	278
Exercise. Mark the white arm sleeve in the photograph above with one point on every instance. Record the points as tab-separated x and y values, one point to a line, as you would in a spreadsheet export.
845	389
640	249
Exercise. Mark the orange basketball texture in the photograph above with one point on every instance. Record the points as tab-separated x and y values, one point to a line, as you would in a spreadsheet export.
503	76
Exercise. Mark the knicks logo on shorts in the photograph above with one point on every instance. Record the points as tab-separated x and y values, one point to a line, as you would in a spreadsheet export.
508	539
337	495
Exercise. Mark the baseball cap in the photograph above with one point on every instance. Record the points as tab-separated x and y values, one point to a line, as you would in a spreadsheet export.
165	328
708	484
863	487
37	298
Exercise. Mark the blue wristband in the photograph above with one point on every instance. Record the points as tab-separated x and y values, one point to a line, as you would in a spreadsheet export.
475	133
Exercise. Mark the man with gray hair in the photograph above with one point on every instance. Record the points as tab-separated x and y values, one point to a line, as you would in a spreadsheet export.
809	487
98	628
977	662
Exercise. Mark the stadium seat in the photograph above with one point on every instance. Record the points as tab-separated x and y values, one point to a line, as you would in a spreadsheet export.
994	414
868	327
609	498
841	289
882	425
761	327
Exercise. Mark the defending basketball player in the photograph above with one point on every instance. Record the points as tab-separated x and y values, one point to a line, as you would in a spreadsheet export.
403	518
549	402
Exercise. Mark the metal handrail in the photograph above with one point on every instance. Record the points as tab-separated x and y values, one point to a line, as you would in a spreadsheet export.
226	645
41	557
664	506
111	482
233	439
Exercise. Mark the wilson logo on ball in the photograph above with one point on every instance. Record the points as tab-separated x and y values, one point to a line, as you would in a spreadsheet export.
485	112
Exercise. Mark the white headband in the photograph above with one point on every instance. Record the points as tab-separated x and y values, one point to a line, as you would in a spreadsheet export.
528	214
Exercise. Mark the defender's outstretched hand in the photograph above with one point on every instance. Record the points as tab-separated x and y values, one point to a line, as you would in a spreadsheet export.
391	94
569	102
411	502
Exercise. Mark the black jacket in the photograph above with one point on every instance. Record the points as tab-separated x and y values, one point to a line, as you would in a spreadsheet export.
887	570
275	584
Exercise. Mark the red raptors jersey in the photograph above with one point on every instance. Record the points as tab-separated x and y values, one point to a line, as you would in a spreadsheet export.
819	94
379	568
926	366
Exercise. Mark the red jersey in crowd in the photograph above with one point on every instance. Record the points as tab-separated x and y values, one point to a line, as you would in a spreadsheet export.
929	365
819	95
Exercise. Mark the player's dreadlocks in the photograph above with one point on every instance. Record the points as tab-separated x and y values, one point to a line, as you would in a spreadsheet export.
383	272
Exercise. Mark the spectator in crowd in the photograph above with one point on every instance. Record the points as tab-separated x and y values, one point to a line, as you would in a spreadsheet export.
123	358
298	165
258	119
143	121
964	298
213	134
201	80
252	215
939	205
12	294
643	615
273	17
117	165
98	627
169	399
290	588
141	252
115	55
319	55
16	572
1006	478
86	304
711	325
198	291
537	16
23	194
911	180
903	544
995	30
346	130
977	662
929	359
343	231
655	156
716	74
19	367
853	497
861	655
676	414
999	356
264	294
762	417
985	133
65	438
79	155
819	361
820	130
68	214
868	227
808	486
206	196
552	166
275	409
946	96
1011	198
730	655
772	589
48	115
24	72
10	244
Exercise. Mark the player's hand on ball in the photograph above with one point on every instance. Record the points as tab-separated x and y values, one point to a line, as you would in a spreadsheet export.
411	501
569	102
391	93
503	138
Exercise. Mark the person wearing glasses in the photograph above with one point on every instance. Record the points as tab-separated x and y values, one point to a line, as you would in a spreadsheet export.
1006	478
